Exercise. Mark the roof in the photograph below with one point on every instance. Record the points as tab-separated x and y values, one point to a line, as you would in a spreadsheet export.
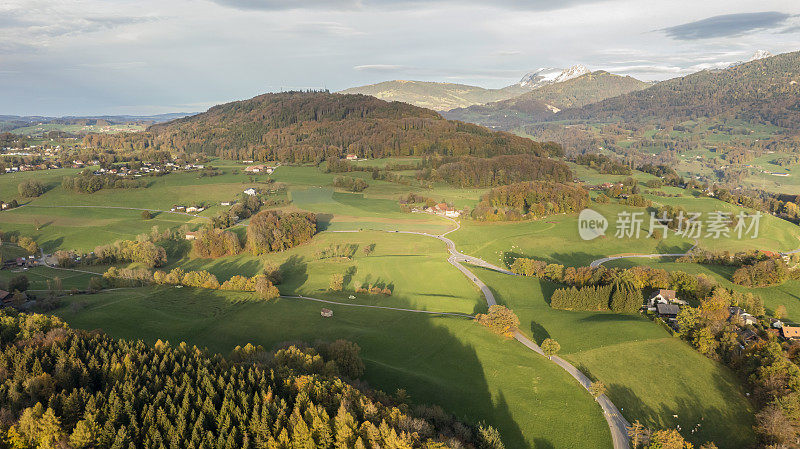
3	294
668	309
790	331
664	293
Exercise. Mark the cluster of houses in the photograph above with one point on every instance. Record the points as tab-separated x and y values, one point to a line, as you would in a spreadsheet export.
667	306
146	169
441	209
20	262
260	168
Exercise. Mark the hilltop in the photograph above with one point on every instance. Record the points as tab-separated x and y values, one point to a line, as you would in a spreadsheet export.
762	90
313	126
546	101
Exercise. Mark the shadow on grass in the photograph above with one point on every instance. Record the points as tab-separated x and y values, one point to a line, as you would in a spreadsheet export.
415	352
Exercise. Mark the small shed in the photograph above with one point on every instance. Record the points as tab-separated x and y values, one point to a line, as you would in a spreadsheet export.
326	313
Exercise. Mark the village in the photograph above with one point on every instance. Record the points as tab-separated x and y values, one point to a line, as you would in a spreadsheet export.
664	305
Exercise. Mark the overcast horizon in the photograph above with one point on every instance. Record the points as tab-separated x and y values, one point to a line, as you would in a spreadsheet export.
95	57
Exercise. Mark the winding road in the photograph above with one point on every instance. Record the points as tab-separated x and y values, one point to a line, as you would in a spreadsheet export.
601	261
617	423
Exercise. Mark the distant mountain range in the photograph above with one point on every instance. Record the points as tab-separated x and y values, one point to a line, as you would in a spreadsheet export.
546	101
447	96
11	122
765	90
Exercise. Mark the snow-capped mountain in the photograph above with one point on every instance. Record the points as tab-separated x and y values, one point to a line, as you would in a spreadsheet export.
551	75
760	54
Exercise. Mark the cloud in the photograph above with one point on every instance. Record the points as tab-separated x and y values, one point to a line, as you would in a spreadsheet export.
380	68
727	25
276	5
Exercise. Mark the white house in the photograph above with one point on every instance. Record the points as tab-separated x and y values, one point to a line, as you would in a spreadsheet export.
251	191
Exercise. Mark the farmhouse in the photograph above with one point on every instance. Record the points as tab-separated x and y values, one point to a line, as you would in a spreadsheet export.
790	332
351	157
255	168
444	209
191	235
326	313
662	296
739	313
667	310
251	191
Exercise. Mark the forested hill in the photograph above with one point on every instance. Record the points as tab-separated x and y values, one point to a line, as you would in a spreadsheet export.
62	388
313	126
764	90
543	103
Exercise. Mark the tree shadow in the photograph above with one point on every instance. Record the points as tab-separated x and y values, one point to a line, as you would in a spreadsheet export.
432	357
324	222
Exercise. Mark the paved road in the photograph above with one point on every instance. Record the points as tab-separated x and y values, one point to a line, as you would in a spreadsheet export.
114	207
601	261
617	423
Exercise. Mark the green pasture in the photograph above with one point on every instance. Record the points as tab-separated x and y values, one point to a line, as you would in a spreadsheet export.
651	376
555	238
449	361
414	267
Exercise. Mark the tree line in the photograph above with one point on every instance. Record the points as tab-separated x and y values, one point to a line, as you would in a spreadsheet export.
587	288
530	200
496	171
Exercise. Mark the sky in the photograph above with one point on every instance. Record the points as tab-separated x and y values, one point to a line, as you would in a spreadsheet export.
92	57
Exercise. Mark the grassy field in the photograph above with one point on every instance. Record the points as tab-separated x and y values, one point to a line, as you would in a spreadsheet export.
556	239
413	267
651	376
55	227
449	361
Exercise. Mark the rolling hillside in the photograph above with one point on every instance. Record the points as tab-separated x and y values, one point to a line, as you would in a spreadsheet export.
763	90
436	96
312	126
544	102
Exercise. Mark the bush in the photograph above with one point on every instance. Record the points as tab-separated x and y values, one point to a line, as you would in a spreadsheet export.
500	320
337	282
28	244
30	188
349	183
550	347
18	283
146	215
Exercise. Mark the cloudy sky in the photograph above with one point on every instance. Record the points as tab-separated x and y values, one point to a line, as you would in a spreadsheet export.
82	57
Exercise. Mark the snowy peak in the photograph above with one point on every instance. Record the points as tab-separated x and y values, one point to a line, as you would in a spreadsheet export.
551	75
760	54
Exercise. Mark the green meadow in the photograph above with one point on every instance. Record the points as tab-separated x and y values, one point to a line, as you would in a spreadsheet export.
651	376
555	238
445	360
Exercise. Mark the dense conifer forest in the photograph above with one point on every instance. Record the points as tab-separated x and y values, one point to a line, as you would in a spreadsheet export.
76	389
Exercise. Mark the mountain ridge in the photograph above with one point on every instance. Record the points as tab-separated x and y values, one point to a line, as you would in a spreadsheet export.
444	96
